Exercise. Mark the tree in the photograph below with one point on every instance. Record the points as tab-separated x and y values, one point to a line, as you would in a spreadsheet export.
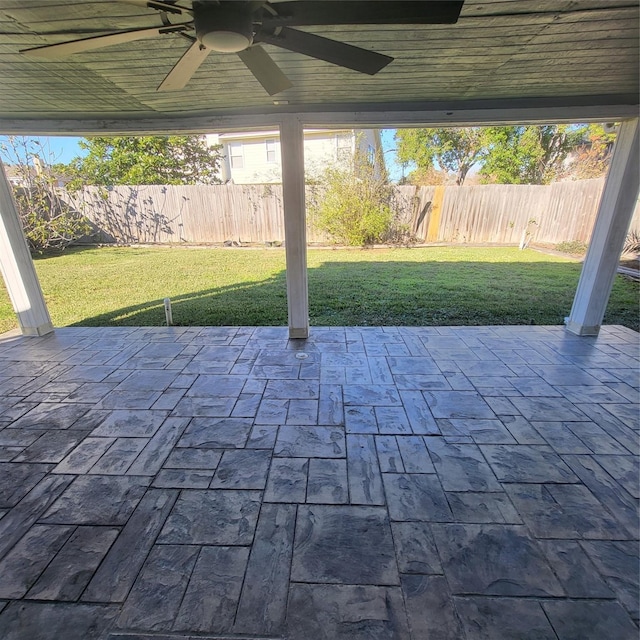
454	149
145	160
430	177
593	156
48	221
528	154
510	154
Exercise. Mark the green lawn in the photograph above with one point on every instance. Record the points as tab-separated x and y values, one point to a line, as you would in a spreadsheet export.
428	286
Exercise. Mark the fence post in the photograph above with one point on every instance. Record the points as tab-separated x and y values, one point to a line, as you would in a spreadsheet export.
614	216
17	267
295	233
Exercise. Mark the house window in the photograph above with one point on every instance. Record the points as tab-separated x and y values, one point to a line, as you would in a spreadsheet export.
271	150
235	155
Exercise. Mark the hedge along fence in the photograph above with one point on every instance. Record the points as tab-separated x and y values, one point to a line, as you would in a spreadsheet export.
503	214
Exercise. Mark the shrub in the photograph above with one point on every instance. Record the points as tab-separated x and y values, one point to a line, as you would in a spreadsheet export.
47	220
572	247
354	204
632	242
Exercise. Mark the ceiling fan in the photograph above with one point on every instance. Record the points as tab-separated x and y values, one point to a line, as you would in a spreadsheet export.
241	26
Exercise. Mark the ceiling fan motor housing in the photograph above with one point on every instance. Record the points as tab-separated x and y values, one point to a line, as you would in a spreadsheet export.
226	27
230	26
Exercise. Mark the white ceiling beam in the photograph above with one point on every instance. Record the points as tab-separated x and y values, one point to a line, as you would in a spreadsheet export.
384	116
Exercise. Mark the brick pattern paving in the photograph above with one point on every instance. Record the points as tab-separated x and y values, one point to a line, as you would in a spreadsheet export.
368	483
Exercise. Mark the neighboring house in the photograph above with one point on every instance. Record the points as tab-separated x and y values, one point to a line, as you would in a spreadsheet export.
16	175
22	176
254	157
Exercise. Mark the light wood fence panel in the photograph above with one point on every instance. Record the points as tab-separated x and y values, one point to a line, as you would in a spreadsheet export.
501	214
485	214
570	211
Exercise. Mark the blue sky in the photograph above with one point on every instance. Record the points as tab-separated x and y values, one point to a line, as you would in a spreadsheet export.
64	149
54	148
389	148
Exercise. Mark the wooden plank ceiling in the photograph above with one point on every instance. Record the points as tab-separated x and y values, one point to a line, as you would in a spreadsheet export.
498	50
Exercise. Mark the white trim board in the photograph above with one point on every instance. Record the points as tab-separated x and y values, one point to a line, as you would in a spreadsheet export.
369	116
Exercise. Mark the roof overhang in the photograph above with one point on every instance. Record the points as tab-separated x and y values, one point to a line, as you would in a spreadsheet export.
483	112
503	62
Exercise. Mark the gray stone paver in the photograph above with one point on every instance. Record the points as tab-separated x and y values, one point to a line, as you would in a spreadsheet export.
461	466
29	557
574	569
415	548
327	481
524	463
389	454
416	497
500	619
562	511
212	517
141	424
478	559
51	446
263	601
430	608
18	480
209	604
242	469
287	481
118	571
399	483
107	500
310	442
53	620
344	545
616	562
589	620
346	612
66	577
155	598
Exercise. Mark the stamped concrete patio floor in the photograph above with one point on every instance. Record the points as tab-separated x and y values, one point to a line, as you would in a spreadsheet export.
367	483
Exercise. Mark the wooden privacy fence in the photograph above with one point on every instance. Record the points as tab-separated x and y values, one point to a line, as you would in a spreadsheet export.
563	211
504	214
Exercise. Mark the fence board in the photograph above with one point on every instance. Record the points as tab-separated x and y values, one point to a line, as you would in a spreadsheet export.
502	214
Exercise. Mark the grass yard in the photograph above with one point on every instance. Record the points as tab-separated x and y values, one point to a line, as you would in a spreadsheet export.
427	286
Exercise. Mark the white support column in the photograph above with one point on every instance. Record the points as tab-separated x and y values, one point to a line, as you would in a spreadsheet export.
612	223
17	268
295	228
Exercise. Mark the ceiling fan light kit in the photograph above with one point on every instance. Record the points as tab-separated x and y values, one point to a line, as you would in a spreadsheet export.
240	27
226	29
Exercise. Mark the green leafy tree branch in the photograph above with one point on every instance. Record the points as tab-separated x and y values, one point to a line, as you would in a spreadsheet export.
48	221
528	154
140	160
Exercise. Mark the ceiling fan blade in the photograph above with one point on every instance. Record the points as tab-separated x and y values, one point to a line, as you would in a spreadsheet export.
265	70
344	55
184	69
169	7
314	12
97	42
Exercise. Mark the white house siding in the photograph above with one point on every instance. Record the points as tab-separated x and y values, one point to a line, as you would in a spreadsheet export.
254	158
